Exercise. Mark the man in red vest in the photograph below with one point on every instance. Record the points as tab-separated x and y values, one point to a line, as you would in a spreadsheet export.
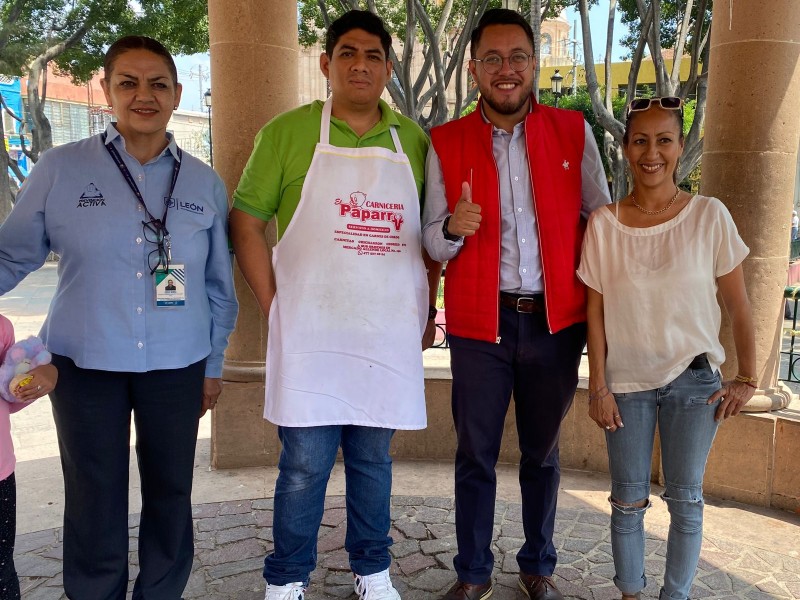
508	190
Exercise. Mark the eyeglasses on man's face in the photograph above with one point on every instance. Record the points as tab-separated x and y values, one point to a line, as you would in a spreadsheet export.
156	233
493	63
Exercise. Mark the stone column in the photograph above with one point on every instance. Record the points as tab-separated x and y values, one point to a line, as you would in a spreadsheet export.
253	78
750	160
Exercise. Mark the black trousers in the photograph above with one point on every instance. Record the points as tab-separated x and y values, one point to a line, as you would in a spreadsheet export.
542	372
92	411
9	583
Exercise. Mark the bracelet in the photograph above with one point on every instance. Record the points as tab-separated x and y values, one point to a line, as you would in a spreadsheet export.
597	394
745	379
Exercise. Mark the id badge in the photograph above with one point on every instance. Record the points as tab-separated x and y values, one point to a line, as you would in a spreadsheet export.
170	286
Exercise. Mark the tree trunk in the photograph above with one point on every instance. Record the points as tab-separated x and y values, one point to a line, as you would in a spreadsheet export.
42	132
6	193
617	165
536	25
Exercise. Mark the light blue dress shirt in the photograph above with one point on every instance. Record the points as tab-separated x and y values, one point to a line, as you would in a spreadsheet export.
103	316
520	259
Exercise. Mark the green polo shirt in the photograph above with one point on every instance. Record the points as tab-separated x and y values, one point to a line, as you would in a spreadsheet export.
273	178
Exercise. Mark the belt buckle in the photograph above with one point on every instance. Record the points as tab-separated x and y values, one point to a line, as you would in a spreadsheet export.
521	298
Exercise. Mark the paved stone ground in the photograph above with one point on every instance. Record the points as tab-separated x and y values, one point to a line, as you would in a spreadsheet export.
233	537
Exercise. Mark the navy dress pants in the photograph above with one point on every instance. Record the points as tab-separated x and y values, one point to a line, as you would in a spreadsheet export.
92	412
9	582
541	369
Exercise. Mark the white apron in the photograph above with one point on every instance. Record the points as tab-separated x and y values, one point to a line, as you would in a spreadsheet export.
346	324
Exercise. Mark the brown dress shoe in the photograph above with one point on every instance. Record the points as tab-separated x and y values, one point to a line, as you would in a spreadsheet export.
469	591
539	587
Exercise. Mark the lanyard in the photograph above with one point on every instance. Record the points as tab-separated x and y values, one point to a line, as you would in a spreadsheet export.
176	168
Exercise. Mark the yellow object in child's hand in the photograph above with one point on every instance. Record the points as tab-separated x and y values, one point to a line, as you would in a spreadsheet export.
19	382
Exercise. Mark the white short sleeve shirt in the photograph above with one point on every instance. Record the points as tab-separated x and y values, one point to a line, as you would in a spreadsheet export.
659	290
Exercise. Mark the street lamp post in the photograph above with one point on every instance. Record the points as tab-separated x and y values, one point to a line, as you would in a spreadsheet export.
555	82
207	102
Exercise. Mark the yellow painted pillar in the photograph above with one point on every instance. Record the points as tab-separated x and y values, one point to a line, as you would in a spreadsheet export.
254	53
750	161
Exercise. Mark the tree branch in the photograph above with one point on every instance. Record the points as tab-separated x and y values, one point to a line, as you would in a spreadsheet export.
680	43
475	13
604	116
324	10
536	26
438	68
693	151
638	54
14	13
612	9
654	43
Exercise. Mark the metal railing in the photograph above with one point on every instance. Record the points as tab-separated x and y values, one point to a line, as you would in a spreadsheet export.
791	334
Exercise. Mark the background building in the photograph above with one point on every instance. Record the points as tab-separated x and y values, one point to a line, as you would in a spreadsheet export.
10	90
78	111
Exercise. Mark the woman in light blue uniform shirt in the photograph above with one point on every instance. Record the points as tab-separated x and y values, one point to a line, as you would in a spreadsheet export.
130	215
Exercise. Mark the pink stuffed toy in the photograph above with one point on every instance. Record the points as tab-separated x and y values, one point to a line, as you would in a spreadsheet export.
21	358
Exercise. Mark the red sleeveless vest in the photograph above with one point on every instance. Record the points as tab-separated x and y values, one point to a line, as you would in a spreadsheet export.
554	140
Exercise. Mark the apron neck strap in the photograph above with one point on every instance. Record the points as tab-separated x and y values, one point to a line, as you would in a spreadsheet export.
325	124
325	127
398	148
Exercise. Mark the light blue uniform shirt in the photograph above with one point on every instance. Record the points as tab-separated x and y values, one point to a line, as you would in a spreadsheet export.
520	258
77	203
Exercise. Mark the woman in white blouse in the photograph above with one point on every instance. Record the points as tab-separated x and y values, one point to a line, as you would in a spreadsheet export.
653	264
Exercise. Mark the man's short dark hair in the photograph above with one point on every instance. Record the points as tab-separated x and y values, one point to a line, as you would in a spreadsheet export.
357	19
498	16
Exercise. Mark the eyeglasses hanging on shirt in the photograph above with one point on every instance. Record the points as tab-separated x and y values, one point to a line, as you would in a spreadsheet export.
155	230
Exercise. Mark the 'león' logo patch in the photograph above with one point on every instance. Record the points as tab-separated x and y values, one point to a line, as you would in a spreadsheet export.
182	205
91	197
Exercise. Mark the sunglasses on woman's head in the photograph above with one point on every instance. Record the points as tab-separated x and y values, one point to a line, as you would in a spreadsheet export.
666	102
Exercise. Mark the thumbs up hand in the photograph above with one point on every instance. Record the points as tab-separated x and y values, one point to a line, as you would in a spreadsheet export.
466	218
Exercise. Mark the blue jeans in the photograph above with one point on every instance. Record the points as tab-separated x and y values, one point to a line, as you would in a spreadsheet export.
686	428
305	465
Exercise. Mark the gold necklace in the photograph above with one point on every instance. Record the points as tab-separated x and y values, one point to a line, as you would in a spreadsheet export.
656	212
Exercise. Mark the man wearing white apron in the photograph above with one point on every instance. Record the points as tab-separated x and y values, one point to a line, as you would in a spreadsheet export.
347	298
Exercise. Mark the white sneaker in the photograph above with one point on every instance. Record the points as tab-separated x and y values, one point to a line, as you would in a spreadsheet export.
290	591
375	587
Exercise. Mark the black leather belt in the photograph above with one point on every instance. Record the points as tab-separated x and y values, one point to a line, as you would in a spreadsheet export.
699	362
532	303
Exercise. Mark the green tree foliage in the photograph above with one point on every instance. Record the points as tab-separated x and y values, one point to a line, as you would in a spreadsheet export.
316	16
672	15
680	25
438	30
582	101
73	35
29	28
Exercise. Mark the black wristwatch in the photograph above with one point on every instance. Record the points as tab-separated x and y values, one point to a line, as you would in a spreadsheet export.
447	235
432	310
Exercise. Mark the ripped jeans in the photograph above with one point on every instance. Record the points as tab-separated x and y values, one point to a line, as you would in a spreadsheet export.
686	429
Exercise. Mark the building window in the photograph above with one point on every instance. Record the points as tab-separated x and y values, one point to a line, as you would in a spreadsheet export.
69	122
547	43
10	124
